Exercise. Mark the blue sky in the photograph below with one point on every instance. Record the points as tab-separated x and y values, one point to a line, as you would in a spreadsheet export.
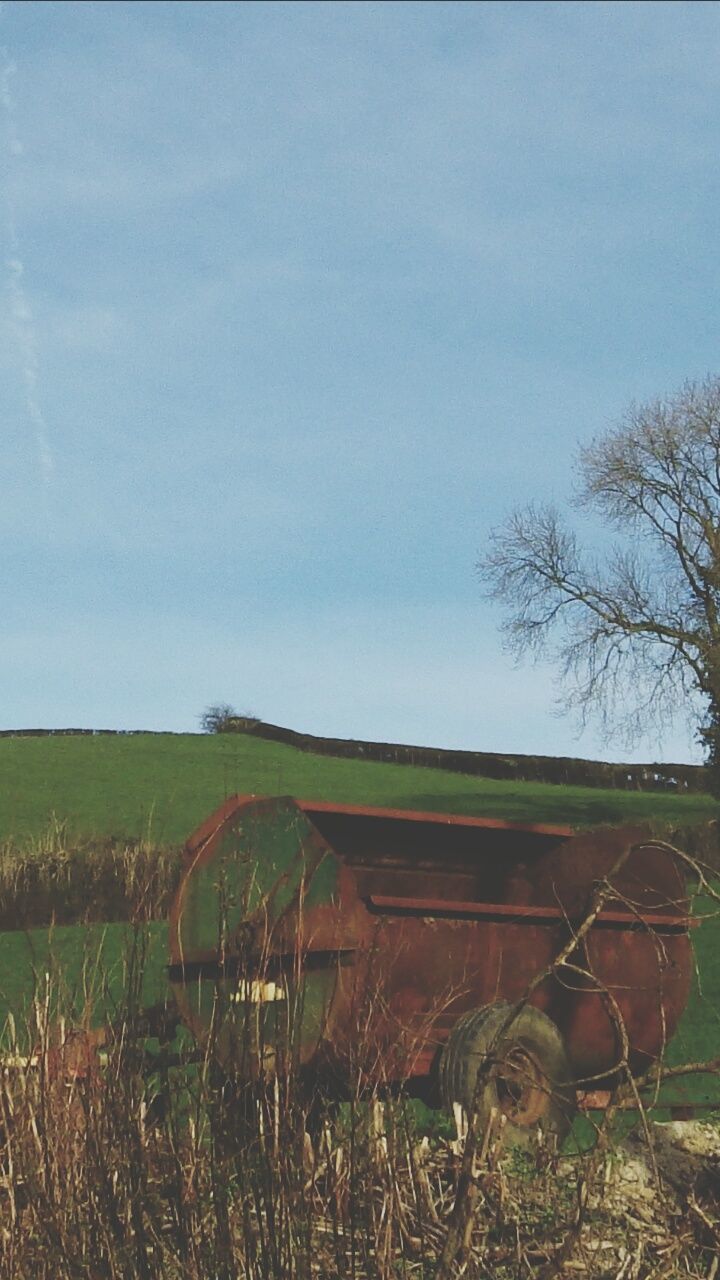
298	300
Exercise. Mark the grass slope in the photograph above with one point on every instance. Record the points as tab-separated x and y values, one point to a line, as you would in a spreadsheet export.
164	785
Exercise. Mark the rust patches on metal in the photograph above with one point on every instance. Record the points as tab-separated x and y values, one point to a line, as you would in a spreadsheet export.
439	907
441	819
398	922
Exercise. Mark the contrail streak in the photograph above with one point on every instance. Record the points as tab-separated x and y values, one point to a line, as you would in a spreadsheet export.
20	311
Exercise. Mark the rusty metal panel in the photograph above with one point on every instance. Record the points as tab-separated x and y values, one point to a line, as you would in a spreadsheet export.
440	907
385	926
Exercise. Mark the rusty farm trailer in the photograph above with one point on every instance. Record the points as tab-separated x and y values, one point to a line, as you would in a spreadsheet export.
389	946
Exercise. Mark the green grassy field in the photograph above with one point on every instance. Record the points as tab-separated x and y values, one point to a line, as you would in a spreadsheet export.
165	785
84	967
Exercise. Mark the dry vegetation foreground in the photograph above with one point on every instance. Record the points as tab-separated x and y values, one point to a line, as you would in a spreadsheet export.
129	1154
116	1166
100	1178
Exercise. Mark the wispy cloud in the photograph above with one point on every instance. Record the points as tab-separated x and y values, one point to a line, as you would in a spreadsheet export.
20	311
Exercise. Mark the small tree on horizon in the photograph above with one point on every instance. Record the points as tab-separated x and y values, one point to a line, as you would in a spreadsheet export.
635	632
217	717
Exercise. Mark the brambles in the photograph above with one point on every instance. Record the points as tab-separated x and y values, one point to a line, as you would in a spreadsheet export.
94	1185
133	1150
122	1156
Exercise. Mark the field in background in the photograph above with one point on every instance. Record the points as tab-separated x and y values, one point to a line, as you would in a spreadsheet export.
162	786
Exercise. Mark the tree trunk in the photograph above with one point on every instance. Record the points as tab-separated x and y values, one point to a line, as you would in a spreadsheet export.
710	737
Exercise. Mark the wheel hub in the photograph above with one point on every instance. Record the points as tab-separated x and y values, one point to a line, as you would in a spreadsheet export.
521	1088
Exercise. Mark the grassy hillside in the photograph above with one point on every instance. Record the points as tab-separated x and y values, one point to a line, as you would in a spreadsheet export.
163	785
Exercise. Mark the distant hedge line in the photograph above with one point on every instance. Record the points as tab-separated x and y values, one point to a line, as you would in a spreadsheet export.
485	764
80	733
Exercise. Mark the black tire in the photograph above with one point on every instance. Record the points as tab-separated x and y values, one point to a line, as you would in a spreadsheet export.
528	1072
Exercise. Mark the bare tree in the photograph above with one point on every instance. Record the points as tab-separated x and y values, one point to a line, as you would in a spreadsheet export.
220	717
636	630
217	718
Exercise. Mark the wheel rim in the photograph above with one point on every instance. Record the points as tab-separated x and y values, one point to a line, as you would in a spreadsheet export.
521	1088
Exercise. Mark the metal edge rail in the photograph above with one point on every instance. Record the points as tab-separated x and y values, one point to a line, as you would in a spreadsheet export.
521	913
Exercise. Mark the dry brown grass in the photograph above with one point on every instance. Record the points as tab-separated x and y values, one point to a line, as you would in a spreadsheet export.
124	1158
93	1186
60	878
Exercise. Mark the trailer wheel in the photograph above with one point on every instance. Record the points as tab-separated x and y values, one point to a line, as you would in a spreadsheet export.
528	1082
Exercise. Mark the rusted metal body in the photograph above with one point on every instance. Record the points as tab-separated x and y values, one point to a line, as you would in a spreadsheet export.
374	930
